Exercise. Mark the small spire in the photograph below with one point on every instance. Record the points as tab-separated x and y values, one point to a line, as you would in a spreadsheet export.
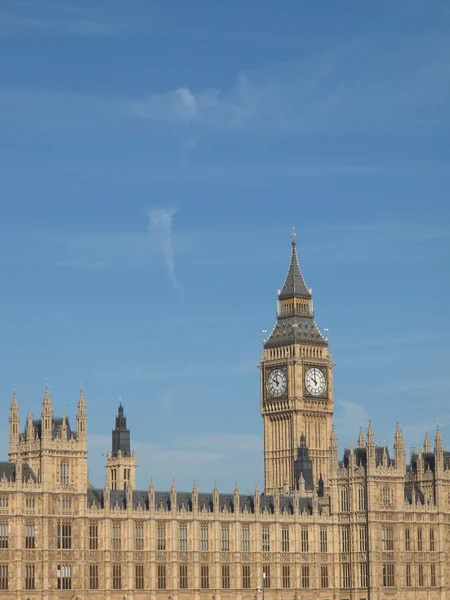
194	487
426	442
14	405
361	438
236	487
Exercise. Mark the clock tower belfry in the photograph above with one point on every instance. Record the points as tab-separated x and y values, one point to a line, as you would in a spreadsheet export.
296	387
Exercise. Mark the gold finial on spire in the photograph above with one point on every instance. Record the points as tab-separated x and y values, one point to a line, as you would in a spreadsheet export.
293	235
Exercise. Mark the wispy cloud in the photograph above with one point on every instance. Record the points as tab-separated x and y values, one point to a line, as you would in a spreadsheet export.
364	84
161	227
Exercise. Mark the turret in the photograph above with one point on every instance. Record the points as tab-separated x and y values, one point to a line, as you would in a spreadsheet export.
399	449
121	463
371	450
426	443
81	418
438	451
334	451
47	415
14	425
361	438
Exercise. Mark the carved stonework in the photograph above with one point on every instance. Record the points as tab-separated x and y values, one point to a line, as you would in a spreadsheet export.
286	557
161	556
205	557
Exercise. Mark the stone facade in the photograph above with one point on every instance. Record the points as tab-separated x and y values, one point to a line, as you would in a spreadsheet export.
369	526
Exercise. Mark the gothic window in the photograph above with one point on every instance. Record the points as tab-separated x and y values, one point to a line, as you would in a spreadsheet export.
113	479
407	539
421	579
93	577
4	535
286	577
30	536
184	577
226	577
204	577
345	531
324	576
361	499
323	540
246	577
433	575
304	539
387	539
64	576
64	536
183	538
161	536
419	540
139	577
161	577
408	576
305	576
386	496
3	577
116	535
204	538
265	539
345	507
225	539
117	577
93	535
245	539
285	539
29	577
266	576
4	502
363	578
64	473
139	536
432	545
345	578
362	538
388	575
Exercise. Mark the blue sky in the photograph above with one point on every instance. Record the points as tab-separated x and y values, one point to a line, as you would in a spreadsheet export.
154	158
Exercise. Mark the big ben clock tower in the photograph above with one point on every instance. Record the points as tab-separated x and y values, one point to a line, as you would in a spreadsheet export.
296	388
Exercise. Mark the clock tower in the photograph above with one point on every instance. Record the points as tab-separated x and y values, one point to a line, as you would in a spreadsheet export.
296	387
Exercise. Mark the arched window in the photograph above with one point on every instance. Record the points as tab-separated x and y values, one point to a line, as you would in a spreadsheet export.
64	473
345	507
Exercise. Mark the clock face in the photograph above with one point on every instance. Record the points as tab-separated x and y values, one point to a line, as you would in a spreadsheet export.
315	381
277	383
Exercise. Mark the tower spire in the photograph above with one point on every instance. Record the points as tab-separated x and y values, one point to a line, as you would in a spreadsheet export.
294	284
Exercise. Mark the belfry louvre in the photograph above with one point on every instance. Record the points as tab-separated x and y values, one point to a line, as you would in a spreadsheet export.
366	527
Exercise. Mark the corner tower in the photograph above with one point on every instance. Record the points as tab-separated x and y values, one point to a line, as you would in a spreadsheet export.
296	386
121	463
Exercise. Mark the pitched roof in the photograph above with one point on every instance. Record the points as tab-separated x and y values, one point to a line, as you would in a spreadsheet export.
294	285
291	330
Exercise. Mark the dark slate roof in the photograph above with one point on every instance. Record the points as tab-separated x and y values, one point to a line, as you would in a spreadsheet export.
294	285
205	501
9	471
294	329
361	458
56	428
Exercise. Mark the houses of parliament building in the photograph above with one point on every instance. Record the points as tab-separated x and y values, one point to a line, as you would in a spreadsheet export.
364	526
